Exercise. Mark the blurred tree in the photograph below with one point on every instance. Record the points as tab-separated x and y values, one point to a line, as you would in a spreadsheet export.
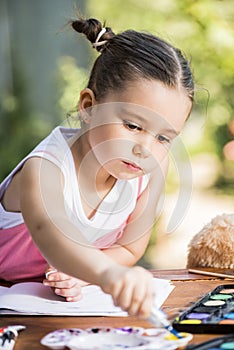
19	130
30	52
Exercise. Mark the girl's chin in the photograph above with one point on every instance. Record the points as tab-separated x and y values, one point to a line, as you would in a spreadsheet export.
126	176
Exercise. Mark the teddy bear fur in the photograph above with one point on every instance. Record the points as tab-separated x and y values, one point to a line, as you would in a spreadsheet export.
213	246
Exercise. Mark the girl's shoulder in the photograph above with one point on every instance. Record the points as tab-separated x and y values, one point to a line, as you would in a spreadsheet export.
53	147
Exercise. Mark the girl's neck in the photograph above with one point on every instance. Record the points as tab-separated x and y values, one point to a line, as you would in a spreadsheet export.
94	182
88	169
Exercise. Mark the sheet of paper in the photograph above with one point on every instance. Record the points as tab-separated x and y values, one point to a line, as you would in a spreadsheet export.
34	298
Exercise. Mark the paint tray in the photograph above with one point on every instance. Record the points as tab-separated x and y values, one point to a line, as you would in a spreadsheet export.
225	342
214	313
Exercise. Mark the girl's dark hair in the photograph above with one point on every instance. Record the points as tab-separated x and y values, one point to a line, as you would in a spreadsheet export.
131	55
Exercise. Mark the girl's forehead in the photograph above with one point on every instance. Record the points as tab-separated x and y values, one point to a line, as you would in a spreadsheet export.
145	117
150	102
114	113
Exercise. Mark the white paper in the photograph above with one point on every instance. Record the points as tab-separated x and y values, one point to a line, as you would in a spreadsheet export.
33	298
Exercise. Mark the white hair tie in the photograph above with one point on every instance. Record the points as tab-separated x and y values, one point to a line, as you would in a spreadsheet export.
100	34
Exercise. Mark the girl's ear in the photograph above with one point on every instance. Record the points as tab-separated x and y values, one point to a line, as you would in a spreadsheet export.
86	102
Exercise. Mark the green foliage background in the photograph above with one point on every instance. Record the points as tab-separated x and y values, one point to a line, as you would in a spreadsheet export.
203	29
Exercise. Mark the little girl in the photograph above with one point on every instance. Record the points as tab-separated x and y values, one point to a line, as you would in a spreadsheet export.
82	204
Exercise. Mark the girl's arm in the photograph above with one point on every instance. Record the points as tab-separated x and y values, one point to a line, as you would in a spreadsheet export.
132	245
126	253
42	206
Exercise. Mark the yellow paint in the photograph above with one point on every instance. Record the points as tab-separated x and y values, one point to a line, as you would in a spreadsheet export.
171	336
190	322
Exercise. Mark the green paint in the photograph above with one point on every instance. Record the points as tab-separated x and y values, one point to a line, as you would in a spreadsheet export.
228	346
221	296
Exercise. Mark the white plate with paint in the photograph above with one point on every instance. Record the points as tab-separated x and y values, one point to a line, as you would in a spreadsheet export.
133	338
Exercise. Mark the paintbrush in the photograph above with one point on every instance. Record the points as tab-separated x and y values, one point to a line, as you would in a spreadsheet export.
159	319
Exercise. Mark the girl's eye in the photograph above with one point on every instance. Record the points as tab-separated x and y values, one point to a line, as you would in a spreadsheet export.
162	139
132	126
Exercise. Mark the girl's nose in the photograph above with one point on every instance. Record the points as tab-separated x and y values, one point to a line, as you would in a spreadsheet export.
140	151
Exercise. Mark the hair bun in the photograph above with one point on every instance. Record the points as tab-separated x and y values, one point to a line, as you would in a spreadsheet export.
92	29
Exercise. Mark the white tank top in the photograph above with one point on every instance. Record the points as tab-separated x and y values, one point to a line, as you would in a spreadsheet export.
113	211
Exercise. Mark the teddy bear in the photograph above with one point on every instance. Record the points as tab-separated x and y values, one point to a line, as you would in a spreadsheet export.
213	246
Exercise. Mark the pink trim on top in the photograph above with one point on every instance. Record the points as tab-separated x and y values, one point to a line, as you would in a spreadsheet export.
110	238
139	186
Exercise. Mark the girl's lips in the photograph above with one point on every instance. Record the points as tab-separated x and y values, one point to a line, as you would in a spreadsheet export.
132	166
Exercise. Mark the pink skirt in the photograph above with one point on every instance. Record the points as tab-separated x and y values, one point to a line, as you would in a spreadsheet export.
20	259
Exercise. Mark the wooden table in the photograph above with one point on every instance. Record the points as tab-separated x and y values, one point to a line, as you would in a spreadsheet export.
189	289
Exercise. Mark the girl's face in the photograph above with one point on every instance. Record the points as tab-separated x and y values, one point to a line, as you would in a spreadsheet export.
130	131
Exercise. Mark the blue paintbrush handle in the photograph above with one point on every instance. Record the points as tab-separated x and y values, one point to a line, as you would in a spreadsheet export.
159	319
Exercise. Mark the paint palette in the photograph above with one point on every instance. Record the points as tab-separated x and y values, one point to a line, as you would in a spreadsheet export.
221	343
214	313
105	338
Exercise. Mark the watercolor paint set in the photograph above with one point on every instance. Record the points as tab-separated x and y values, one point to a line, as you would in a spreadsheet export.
220	343
213	313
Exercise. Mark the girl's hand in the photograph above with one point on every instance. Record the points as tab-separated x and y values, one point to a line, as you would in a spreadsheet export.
132	289
64	285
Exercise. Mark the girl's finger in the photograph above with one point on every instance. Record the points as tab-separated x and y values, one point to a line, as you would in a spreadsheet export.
57	276
145	309
124	298
147	304
49	273
68	292
62	284
137	297
73	299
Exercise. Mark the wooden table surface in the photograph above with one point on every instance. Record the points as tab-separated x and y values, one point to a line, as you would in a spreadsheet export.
189	289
